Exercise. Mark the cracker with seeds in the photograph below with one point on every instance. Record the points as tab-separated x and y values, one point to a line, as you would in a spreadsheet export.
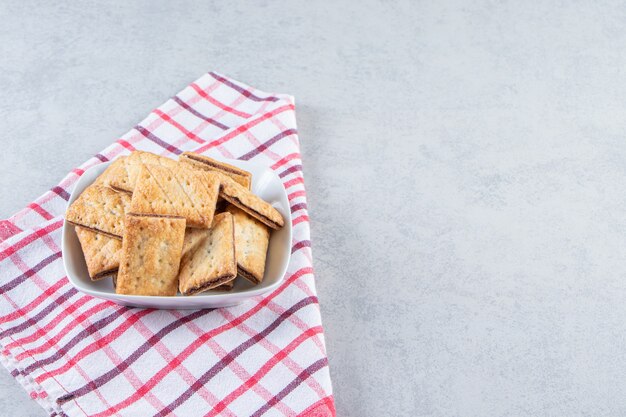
100	209
150	258
181	192
125	175
102	252
198	161
251	241
212	262
237	195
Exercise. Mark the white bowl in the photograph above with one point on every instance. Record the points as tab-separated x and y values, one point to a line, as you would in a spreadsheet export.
265	184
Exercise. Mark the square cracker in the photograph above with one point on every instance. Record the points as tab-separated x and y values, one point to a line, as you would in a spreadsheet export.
198	161
180	192
151	251
111	172
124	177
251	241
193	237
212	262
100	209
237	195
102	253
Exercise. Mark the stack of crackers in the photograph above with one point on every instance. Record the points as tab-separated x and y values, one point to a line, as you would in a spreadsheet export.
158	226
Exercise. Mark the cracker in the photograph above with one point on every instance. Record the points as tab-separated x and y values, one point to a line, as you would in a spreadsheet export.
251	241
250	203
101	209
102	253
180	192
225	287
150	258
124	178
198	161
193	237
111	172
212	263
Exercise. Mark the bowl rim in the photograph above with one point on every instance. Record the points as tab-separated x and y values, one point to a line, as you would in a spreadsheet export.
195	299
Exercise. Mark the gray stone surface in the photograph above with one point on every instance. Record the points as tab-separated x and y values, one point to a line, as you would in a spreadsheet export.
465	163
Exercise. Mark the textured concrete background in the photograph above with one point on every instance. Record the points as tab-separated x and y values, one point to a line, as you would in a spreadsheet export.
465	162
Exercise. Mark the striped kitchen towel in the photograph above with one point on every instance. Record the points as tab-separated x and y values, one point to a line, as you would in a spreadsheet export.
82	356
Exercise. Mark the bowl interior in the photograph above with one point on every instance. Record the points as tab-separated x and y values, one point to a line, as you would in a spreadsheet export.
265	183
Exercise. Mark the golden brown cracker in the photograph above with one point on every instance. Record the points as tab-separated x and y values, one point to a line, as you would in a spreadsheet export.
251	242
193	237
237	195
198	161
111	172
102	252
150	258
181	192
125	176
101	209
212	263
